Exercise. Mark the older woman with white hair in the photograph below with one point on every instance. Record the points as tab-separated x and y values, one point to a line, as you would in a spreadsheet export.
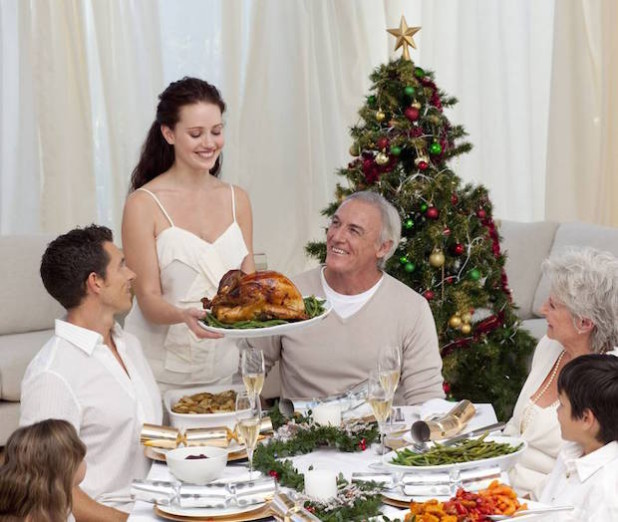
582	318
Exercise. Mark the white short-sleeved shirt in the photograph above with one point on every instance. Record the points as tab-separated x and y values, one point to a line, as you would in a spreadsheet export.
76	377
589	483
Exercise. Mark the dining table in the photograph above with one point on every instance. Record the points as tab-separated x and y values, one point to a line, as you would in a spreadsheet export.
336	461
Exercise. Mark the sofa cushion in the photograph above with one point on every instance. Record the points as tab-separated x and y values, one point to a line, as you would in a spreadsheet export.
26	306
9	413
16	352
576	234
526	246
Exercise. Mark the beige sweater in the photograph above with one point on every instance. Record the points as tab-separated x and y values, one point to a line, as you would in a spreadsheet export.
333	354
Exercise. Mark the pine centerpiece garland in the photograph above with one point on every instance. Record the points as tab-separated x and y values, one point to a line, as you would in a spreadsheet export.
300	436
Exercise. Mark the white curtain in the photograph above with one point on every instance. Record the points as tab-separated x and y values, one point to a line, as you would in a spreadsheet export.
294	74
582	167
77	91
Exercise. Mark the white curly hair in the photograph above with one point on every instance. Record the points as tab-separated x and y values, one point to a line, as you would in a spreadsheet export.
585	280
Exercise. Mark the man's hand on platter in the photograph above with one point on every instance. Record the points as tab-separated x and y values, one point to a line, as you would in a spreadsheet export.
191	316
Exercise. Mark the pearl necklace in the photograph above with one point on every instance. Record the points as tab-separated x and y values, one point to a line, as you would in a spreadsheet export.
527	413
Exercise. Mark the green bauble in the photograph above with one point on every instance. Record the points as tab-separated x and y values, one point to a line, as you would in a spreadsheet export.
371	100
408	224
404	260
409	90
424	207
475	274
395	151
419	73
435	148
409	267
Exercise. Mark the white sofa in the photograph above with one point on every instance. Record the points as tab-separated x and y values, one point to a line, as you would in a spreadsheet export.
27	316
528	244
27	312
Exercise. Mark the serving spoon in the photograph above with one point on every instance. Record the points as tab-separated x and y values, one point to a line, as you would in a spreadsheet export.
526	512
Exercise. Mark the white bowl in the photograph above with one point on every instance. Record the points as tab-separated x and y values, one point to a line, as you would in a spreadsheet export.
199	420
197	471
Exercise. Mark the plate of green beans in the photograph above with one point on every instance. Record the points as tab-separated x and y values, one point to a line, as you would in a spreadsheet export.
477	452
315	308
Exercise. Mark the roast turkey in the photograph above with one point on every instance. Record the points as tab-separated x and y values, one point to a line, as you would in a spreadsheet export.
259	296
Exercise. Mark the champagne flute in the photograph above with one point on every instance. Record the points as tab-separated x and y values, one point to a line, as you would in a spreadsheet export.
389	369
252	370
381	402
248	417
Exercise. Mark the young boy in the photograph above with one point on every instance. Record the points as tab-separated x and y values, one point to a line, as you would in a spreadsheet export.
586	473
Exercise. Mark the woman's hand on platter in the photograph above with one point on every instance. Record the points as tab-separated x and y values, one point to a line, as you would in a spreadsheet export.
191	316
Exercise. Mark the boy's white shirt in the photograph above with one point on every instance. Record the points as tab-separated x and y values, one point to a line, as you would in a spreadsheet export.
589	483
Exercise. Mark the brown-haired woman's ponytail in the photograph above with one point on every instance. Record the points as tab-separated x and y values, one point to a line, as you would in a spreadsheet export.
156	157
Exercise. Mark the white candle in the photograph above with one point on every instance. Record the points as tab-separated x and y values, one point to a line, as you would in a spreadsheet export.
321	484
327	414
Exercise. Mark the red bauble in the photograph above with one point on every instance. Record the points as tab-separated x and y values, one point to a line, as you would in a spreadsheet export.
481	214
415	132
429	295
432	212
422	165
367	164
411	113
382	143
458	249
446	387
274	474
454	199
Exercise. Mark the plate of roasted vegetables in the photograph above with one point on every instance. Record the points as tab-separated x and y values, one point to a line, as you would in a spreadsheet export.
477	452
468	506
260	305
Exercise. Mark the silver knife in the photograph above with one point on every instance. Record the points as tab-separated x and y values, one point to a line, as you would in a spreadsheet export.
479	431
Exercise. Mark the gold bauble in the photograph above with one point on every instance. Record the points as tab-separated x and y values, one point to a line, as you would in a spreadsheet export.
454	321
355	150
380	116
436	258
466	329
466	317
416	104
382	159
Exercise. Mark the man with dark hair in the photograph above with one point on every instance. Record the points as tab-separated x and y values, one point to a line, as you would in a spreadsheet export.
586	472
91	373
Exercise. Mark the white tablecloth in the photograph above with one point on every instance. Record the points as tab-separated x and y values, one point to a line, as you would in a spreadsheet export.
329	459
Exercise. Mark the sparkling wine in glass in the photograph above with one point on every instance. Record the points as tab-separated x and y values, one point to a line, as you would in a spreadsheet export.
381	402
252	370
248	417
389	368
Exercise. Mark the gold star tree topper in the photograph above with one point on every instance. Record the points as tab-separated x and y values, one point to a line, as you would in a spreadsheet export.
404	36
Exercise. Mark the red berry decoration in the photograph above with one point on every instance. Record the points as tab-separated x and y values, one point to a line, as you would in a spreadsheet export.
432	213
274	474
367	164
446	387
458	249
454	199
429	295
411	113
362	444
481	214
382	143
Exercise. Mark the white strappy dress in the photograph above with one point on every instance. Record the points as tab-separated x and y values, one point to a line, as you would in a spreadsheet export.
190	268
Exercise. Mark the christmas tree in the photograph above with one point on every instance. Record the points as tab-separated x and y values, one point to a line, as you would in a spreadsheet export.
450	248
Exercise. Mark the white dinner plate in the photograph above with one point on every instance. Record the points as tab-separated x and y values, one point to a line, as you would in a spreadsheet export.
505	462
269	330
209	512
